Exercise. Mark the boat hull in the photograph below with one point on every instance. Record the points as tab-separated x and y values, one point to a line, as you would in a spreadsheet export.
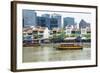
70	48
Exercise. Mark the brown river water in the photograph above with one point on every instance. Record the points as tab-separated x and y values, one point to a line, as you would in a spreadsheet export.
49	53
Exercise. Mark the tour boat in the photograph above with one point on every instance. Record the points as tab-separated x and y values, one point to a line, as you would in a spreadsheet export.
69	46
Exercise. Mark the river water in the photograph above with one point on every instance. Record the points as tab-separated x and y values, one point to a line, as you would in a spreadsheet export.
49	53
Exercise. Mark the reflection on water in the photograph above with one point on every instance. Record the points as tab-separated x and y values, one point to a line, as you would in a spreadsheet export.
48	53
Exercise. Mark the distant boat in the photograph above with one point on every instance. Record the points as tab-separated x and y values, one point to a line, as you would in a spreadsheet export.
65	46
31	45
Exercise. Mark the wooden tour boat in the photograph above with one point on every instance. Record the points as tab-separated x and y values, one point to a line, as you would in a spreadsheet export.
69	46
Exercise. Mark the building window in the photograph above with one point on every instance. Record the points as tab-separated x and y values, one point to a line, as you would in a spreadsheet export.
41	31
54	32
35	32
53	21
88	31
29	33
73	32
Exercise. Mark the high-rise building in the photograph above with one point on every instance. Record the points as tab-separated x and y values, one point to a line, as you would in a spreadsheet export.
83	24
68	21
47	20
51	22
46	15
43	20
29	18
55	21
